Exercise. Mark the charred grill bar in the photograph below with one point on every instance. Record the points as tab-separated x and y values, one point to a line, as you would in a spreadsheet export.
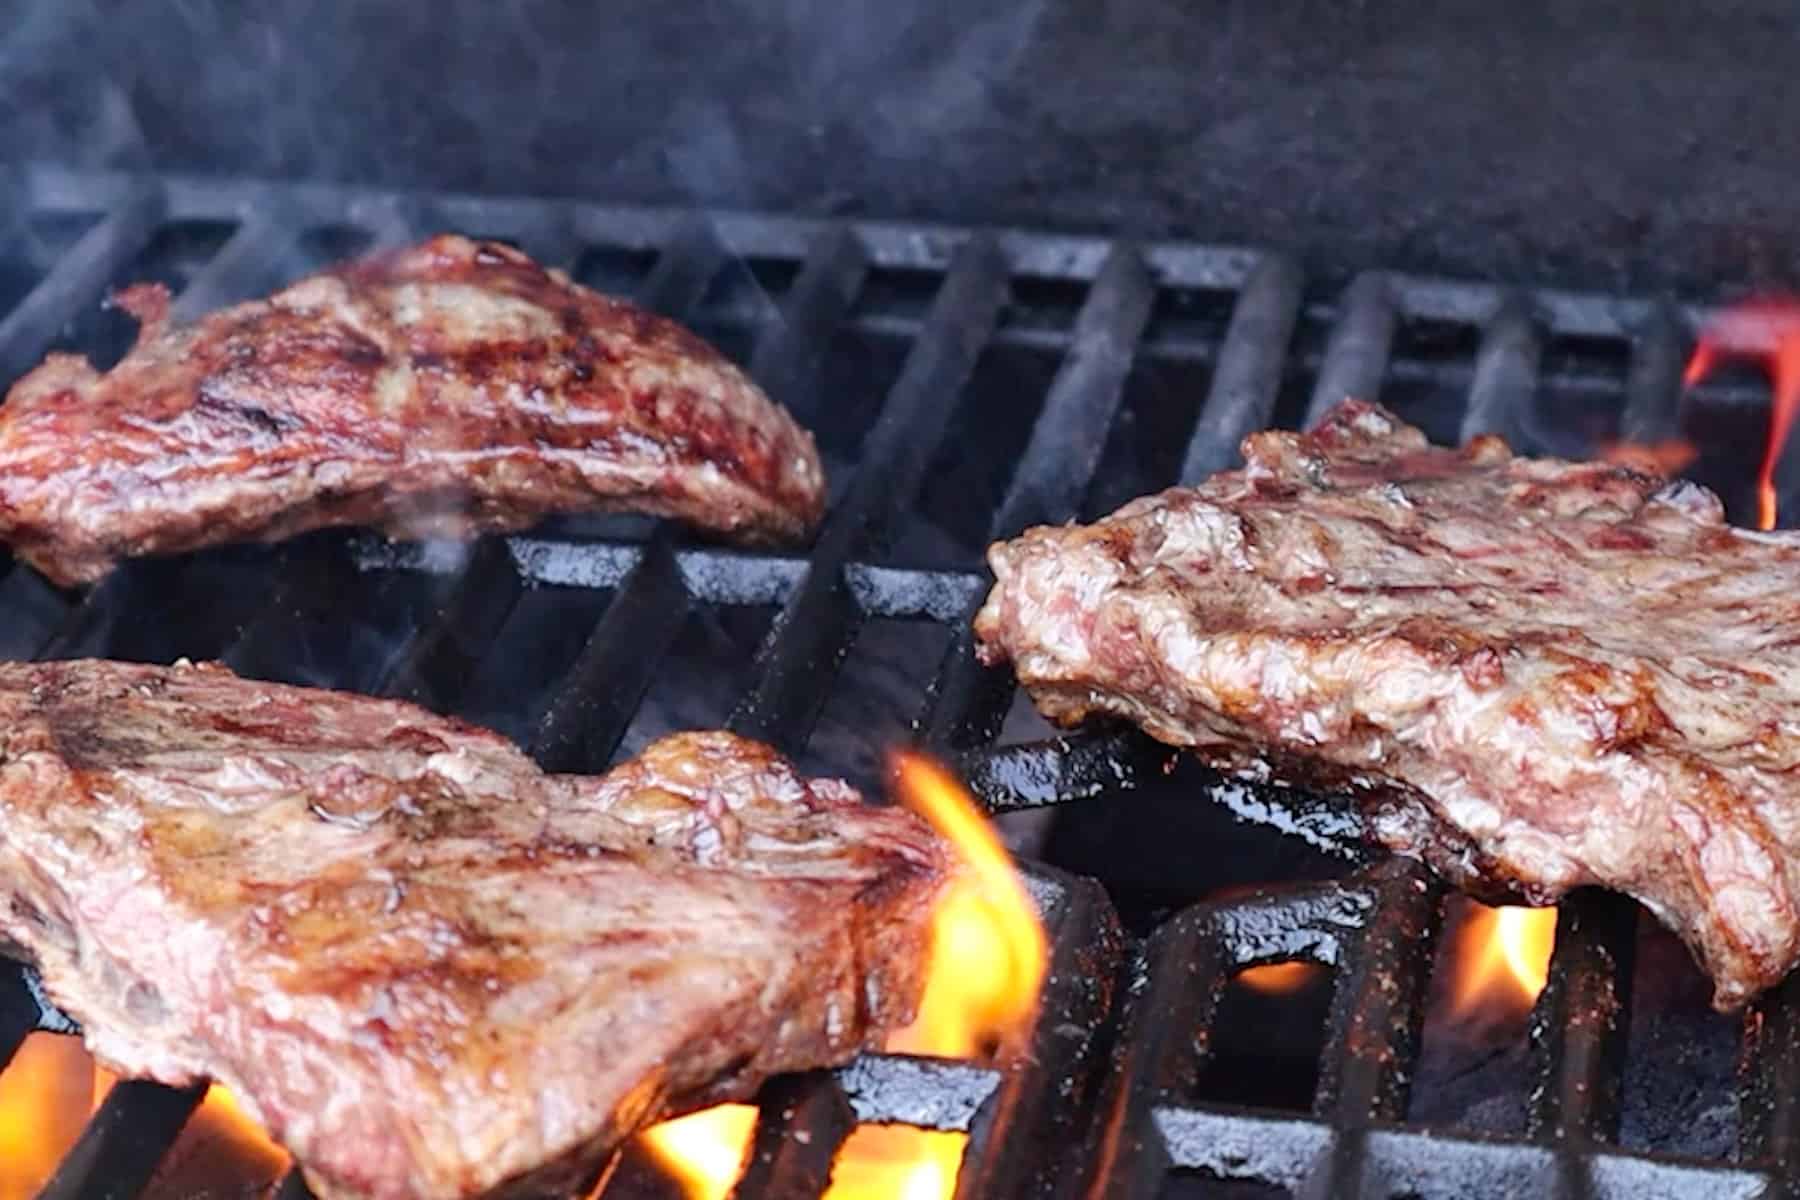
1105	1103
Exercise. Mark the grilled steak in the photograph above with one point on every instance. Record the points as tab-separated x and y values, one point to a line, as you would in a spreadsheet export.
448	388
428	968
1538	674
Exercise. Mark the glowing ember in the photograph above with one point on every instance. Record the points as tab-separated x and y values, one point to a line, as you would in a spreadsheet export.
1767	332
705	1151
1504	957
985	965
1278	979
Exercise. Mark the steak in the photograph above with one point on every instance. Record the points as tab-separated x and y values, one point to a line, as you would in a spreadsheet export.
1536	674
428	968
442	390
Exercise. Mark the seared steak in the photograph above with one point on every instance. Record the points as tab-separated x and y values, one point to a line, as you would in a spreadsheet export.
1538	674
428	968
448	388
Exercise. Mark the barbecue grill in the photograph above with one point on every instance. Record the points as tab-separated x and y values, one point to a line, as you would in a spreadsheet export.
1132	366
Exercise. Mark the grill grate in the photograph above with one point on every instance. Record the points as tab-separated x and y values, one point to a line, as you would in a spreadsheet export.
1104	1104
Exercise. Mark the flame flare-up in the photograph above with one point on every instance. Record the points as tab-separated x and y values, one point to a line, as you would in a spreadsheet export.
987	960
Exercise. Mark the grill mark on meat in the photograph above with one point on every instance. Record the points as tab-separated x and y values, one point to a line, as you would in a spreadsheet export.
463	387
256	419
1560	674
428	968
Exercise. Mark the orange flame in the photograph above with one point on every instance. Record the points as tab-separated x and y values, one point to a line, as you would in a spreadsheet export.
46	1094
1503	957
1279	979
1769	332
220	1116
704	1151
986	962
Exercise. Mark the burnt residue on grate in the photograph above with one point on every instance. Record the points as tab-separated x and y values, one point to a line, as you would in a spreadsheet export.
965	384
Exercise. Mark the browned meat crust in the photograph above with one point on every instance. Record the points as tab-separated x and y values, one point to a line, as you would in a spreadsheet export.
428	968
445	389
1541	674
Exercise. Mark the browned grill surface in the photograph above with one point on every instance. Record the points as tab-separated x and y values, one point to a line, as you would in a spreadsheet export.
962	385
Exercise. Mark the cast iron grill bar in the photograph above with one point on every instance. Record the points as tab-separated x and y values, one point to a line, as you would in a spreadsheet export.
1378	1004
1025	1134
1070	433
434	667
967	701
1247	379
1769	1089
79	278
1653	387
684	270
1506	369
1168	1030
1165	1045
1356	357
589	710
1579	1025
787	358
782	1164
819	623
125	1141
1377	1016
247	265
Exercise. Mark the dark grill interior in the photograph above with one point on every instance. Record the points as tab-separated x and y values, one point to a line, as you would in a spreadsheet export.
964	384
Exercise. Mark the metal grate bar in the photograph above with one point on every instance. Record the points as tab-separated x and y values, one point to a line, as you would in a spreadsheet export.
1018	1146
247	265
1356	357
1160	1055
1070	433
1653	388
788	357
78	279
1247	379
968	701
1377	1015
1582	1017
584	720
1062	770
1769	1090
123	1144
817	626
898	449
930	1093
1506	370
435	666
782	1164
684	270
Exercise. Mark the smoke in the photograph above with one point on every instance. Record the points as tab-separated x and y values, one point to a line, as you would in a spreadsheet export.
722	102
